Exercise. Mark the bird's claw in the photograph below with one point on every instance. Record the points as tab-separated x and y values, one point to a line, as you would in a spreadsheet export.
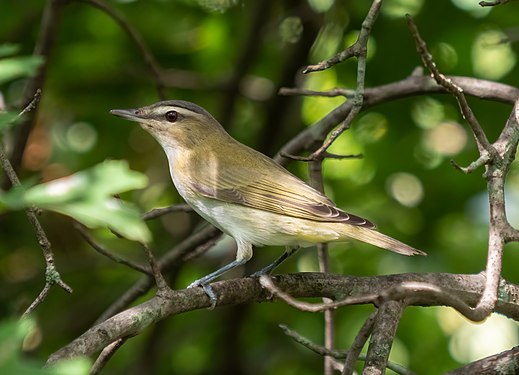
261	272
208	291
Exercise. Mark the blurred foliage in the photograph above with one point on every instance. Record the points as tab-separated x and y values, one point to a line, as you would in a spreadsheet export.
210	56
87	196
15	335
16	67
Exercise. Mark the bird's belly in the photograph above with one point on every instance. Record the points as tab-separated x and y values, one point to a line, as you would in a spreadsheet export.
260	227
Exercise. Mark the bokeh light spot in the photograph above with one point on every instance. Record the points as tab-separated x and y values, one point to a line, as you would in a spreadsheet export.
445	56
399	8
257	88
358	171
491	57
472	7
446	139
291	29
427	112
321	6
426	157
371	127
81	137
405	188
470	342
327	42
316	107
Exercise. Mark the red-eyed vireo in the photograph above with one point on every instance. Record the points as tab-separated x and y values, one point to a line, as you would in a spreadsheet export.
243	192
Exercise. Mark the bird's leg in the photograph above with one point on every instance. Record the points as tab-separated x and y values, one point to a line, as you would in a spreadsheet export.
204	281
289	250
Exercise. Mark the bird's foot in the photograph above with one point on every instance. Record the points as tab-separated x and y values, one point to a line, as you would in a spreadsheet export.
208	291
264	271
268	269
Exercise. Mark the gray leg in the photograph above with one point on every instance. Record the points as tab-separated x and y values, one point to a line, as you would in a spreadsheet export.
289	250
204	281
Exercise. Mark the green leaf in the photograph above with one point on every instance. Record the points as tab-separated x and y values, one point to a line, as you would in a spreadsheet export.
8	49
16	67
87	196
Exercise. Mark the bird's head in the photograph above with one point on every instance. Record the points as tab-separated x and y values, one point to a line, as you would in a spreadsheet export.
175	123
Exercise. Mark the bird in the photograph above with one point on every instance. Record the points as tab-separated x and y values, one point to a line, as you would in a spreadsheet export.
245	193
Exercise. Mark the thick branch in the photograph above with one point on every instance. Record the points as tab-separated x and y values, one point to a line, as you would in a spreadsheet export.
383	334
248	290
195	244
503	363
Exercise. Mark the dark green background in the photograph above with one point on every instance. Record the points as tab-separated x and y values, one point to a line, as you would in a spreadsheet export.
94	67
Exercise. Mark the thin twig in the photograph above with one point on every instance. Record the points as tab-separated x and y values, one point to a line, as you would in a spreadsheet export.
337	354
360	340
52	276
267	283
149	59
481	161
316	157
110	255
305	92
411	291
195	245
43	49
410	86
39	299
454	89
316	181
492	3
160	211
32	104
359	49
319	349
338	131
106	354
159	279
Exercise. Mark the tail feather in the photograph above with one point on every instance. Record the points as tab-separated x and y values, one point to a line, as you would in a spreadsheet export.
378	239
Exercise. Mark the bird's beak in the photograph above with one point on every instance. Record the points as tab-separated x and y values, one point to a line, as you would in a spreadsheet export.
128	114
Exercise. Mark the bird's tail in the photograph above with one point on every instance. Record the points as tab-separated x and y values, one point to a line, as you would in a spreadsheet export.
378	239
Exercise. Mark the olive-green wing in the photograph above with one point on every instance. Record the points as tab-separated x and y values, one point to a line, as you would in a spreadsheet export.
278	192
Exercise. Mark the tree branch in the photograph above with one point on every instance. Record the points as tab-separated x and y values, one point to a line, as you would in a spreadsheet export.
359	342
103	251
410	86
52	276
502	363
137	39
360	50
497	159
336	354
457	91
382	336
43	48
247	290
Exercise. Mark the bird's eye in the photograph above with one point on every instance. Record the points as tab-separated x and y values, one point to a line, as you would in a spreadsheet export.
172	116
